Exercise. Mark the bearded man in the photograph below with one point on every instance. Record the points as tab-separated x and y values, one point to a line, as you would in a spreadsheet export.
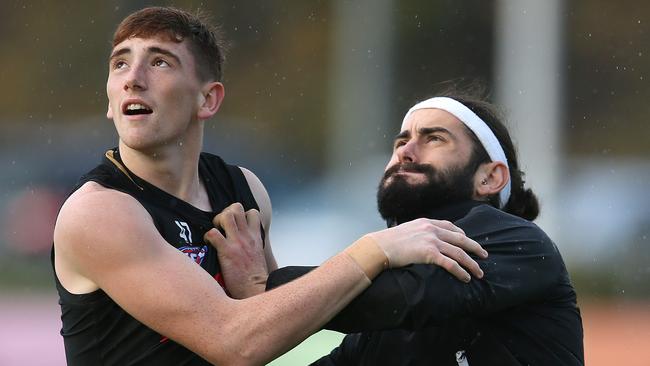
454	160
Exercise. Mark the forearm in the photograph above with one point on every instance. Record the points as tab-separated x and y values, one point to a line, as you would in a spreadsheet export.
265	326
227	331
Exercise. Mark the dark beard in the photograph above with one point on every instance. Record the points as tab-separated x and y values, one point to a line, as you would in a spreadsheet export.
400	201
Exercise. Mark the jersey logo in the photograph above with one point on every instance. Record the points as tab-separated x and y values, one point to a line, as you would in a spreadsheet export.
461	358
197	254
185	233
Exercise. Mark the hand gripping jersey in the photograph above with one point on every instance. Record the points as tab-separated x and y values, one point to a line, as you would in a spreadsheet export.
96	331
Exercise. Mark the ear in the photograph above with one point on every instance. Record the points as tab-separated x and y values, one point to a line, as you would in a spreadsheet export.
210	99
490	178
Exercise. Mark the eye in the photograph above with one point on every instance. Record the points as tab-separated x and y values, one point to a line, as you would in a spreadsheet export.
119	64
399	143
161	63
434	138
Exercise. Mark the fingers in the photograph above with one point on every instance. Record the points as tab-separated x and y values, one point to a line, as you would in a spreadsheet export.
461	259
231	219
454	246
447	225
459	240
254	222
237	211
237	224
215	238
450	266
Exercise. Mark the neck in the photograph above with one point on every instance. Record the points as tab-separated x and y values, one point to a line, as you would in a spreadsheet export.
172	168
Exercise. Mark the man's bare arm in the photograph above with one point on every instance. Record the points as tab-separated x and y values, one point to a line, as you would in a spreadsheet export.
266	212
99	230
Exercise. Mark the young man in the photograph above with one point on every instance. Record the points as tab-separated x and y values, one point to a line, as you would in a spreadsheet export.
136	245
454	160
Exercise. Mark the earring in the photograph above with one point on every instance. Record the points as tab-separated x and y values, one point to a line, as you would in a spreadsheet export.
484	182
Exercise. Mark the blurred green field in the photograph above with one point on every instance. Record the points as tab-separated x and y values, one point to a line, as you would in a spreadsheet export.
310	350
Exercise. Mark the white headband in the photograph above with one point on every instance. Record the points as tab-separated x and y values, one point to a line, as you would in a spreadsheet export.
474	123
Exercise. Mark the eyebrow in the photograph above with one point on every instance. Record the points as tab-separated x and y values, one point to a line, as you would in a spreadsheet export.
402	135
424	131
121	51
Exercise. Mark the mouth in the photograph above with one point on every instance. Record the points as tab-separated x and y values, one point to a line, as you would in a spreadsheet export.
406	172
136	108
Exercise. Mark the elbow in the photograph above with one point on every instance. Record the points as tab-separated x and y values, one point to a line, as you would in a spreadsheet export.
238	348
237	356
236	360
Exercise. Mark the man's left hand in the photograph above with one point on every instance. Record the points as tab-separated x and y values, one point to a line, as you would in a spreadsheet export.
240	251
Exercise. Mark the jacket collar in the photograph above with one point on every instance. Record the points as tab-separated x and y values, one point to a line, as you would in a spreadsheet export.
451	212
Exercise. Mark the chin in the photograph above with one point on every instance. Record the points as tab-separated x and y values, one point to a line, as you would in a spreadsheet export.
140	143
416	180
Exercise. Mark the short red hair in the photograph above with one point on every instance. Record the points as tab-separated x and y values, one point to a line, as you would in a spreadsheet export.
171	24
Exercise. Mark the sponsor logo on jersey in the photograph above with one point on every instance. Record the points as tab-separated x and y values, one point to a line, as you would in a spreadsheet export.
197	254
185	233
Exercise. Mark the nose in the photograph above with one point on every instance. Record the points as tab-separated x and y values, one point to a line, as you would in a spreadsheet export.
407	153
136	78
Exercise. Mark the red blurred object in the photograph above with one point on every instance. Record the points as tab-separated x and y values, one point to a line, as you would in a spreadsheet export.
29	218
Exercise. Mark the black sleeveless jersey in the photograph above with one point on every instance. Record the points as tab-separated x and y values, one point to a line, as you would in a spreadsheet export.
96	331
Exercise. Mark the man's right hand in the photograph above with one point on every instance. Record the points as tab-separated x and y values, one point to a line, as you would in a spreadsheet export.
433	242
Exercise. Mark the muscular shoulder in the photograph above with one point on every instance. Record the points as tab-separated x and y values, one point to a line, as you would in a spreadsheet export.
95	204
95	226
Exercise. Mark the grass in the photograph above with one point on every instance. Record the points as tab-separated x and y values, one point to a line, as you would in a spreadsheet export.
310	350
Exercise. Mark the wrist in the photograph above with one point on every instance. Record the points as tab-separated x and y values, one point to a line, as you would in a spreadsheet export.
368	255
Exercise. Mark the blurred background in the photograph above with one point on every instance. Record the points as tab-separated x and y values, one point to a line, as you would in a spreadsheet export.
315	92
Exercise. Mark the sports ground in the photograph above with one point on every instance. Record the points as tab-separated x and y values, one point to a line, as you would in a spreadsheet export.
616	333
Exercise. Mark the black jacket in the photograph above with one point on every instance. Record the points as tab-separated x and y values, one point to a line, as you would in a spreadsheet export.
522	312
